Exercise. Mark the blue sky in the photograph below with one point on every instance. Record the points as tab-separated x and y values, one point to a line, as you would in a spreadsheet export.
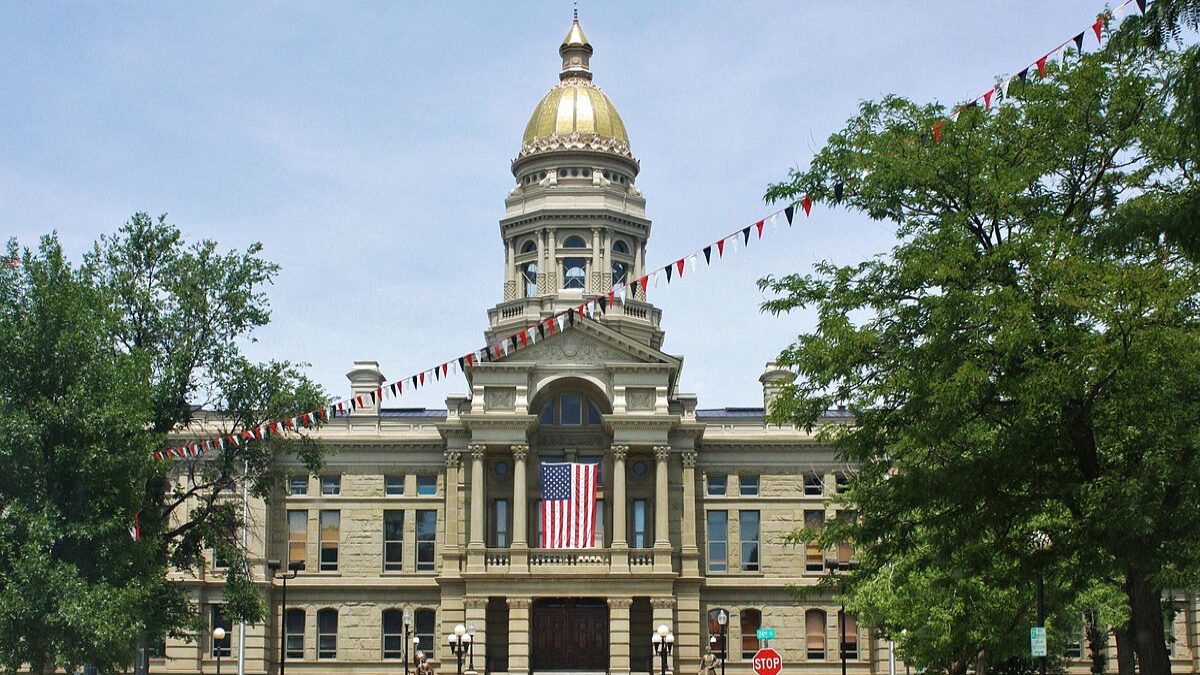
367	146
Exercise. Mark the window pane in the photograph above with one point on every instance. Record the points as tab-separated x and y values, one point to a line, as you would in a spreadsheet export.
327	625
748	527
598	533
426	485
393	541
297	535
426	541
715	629
298	485
814	557
718	537
640	538
295	633
423	625
393	634
716	485
749	485
751	622
547	414
330	535
814	628
574	272
850	646
619	272
222	647
593	417
393	485
813	485
530	272
331	485
571	409
500	523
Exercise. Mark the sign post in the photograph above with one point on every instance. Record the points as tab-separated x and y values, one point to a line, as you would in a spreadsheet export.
767	661
1037	641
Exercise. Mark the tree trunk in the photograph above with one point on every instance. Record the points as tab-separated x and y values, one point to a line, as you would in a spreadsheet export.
1096	639
1146	623
1126	664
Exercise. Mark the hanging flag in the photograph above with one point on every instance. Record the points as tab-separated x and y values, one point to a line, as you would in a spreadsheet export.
759	226
1079	42
720	248
568	506
645	286
679	267
1141	6
987	98
135	529
937	133
807	204
612	297
839	189
445	367
789	212
746	235
708	249
668	270
1023	75
1098	27
1041	65
603	301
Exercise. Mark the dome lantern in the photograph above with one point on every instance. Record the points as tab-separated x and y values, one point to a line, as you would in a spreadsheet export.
576	53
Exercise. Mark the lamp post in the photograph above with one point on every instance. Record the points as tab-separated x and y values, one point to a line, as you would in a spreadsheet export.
834	566
408	619
662	641
471	648
218	636
723	621
460	642
294	568
1040	541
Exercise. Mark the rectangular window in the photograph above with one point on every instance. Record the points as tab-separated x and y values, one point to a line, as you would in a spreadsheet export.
393	486
157	651
814	629
748	486
426	485
220	560
327	628
294	638
220	647
393	634
598	535
814	557
424	626
641	522
331	485
748	528
571	410
843	483
718	540
813	486
751	622
331	524
500	515
298	485
845	549
297	535
850	646
426	541
393	541
716	485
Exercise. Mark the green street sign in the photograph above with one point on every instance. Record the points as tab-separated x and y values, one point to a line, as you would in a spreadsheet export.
766	633
1037	641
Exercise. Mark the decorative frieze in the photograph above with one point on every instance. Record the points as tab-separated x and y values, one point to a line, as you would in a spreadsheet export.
662	603
499	398
518	603
475	602
639	398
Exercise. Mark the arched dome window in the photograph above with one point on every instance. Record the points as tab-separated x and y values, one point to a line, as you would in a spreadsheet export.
620	247
569	410
529	272
528	247
619	272
574	272
574	241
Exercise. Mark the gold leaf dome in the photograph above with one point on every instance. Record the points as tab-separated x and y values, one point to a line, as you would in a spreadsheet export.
575	106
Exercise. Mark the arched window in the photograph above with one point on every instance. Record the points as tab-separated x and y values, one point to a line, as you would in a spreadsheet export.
574	241
294	630
619	272
529	273
751	622
850	641
574	272
528	247
620	247
327	628
569	410
717	633
424	628
814	633
393	634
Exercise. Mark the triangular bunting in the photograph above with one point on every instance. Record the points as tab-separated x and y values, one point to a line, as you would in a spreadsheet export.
1079	42
1041	65
708	251
679	267
668	270
759	225
789	212
1098	27
807	204
746	235
839	189
721	248
987	98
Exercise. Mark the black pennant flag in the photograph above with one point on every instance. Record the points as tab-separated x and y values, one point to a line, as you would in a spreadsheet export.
461	365
708	250
437	373
414	378
372	398
571	316
789	212
1023	75
746	235
839	190
1079	42
513	339
668	270
541	331
603	300
633	285
1141	5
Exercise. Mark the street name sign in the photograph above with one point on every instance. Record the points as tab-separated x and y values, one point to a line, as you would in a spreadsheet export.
766	633
1037	641
767	661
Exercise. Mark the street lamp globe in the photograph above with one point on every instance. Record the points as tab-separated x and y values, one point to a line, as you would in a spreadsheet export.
408	616
218	634
460	629
663	630
656	638
670	638
466	639
722	617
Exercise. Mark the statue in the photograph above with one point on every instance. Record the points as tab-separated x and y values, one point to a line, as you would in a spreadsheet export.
708	663
423	667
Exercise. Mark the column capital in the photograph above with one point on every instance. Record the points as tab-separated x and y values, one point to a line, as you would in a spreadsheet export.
477	450
619	451
662	452
518	603
662	603
475	603
453	458
520	452
619	603
689	459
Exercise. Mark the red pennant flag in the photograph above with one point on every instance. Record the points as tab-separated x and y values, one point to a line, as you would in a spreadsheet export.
287	423
550	326
987	98
158	456
721	248
612	297
1098	26
135	529
937	131
470	360
359	400
580	310
305	419
1041	65
644	287
759	225
524	338
422	378
679	263
445	368
807	204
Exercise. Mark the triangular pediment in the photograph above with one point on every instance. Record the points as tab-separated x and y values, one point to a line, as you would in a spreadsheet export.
590	343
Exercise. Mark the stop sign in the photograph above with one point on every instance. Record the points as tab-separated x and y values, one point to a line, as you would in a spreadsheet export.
767	661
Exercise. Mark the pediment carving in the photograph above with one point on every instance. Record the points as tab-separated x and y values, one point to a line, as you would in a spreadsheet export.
576	347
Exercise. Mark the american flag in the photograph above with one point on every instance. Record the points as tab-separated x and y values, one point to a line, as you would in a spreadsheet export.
568	510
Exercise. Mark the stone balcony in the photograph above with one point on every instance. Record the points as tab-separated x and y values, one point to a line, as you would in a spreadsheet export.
601	561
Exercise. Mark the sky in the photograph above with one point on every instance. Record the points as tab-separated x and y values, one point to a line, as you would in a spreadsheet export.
367	146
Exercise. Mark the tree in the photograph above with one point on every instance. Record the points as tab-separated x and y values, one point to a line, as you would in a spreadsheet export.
1023	363
109	362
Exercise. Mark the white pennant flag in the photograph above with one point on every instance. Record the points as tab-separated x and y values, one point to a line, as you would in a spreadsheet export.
692	259
561	320
774	221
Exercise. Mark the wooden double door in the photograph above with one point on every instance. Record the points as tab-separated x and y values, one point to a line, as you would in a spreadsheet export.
569	634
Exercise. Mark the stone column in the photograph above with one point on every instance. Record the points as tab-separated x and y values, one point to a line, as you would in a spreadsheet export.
450	546
618	646
594	271
518	636
689	555
519	551
477	616
552	263
510	270
662	505
620	543
477	544
663	611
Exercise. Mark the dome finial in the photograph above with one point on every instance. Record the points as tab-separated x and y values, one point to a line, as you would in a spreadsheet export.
576	51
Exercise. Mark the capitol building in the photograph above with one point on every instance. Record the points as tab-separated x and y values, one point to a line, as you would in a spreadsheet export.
425	519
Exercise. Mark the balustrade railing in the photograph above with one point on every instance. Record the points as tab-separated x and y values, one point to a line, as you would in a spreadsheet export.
545	557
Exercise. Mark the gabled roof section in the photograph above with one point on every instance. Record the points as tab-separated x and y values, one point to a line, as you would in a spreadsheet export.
590	341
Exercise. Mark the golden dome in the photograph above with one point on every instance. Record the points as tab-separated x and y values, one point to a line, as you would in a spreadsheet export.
575	106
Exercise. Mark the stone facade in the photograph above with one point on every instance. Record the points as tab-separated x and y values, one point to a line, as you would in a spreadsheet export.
695	502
